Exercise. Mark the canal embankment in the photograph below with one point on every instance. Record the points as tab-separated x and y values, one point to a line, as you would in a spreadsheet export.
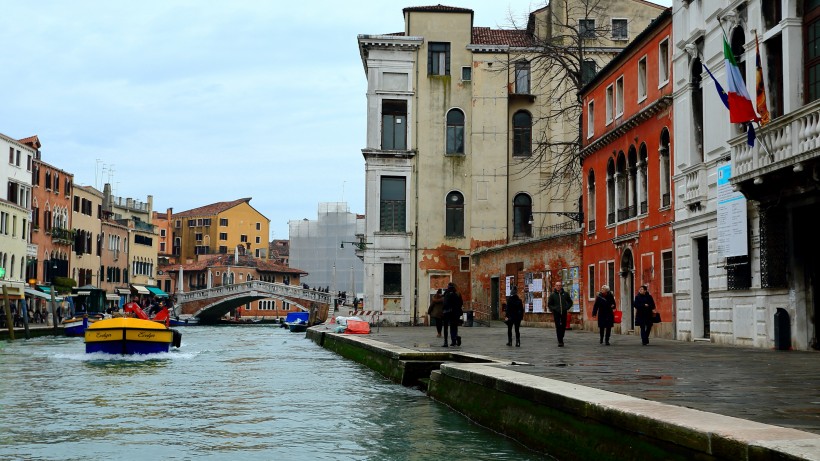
541	396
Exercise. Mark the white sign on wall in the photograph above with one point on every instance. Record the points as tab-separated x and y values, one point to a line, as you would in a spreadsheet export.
732	236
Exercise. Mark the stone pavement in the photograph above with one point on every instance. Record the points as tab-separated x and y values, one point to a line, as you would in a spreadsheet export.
773	387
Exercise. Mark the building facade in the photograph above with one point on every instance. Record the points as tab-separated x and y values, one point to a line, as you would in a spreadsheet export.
51	230
86	223
746	270
15	221
219	228
454	120
163	223
627	163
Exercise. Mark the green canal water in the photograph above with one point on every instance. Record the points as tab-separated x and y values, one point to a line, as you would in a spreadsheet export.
229	393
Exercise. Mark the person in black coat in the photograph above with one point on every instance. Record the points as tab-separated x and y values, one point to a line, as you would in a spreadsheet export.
644	306
514	314
452	314
604	309
559	303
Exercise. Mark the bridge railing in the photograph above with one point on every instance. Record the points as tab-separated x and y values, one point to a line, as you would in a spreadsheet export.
274	289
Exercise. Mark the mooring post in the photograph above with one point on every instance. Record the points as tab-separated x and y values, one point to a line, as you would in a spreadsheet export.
7	308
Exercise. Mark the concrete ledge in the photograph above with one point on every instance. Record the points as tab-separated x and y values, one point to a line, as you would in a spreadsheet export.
571	421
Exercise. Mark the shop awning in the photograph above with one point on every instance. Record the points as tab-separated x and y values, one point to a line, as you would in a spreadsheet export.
82	293
44	289
13	292
112	297
156	291
123	291
141	289
38	294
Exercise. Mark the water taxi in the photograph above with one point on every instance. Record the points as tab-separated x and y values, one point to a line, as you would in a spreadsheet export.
131	334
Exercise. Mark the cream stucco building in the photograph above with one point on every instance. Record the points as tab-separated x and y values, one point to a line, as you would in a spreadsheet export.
15	210
454	115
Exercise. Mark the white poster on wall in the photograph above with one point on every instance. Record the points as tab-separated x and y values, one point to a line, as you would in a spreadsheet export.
731	216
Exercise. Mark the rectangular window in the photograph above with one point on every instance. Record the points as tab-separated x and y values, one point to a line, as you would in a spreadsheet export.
591	281
392	205
18	158
663	62
11	155
178	224
438	58
619	29
642	79
610	104
199	222
590	119
243	238
588	71
206	222
610	275
522	77
258	239
192	223
259	226
76	204
223	236
162	247
668	272
223	250
619	96
223	221
586	28
465	264
392	279
466	73
28	163
163	233
198	236
394	124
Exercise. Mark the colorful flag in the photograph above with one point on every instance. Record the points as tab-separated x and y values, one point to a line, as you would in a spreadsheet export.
760	87
723	96
740	103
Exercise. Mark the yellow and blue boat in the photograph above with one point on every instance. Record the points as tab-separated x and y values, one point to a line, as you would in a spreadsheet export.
128	335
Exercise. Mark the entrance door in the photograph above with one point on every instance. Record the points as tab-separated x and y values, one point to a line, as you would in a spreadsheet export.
703	274
627	288
807	249
494	296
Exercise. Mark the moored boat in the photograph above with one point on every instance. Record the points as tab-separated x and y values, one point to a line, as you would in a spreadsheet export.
297	327
76	326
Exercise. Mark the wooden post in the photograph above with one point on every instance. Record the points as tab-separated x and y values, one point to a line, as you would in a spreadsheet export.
53	308
9	319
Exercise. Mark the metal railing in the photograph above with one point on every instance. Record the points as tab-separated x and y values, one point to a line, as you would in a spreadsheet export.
482	313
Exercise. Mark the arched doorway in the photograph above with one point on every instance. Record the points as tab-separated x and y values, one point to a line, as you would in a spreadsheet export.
627	290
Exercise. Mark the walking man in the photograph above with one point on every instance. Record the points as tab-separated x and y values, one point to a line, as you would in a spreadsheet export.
559	303
452	313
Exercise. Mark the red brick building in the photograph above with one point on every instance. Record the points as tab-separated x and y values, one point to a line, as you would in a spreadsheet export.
627	176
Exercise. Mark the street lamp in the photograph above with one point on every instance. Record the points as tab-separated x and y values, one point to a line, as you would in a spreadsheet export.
361	245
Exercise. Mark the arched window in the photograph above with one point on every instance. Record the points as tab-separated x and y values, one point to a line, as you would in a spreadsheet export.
455	131
665	172
642	178
621	187
632	182
522	134
590	213
454	215
610	192
522	214
697	110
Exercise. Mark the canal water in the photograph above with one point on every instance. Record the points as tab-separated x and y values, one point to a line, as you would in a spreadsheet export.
229	393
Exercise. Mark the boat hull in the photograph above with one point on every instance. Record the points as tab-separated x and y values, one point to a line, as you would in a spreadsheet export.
297	327
76	326
128	336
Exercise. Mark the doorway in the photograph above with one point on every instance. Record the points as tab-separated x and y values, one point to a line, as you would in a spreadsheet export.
627	288
806	249
701	288
494	296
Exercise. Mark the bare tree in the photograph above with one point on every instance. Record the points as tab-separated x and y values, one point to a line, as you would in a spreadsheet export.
569	43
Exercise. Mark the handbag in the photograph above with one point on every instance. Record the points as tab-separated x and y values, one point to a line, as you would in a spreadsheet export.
656	318
618	316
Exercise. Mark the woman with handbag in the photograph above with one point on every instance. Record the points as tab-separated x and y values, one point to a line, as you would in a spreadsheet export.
644	306
604	309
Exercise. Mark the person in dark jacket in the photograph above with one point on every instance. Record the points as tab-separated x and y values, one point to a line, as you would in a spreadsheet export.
436	311
452	314
644	306
559	303
604	309
514	314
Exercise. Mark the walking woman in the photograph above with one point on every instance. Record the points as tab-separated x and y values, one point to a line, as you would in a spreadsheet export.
644	316
604	309
514	314
436	311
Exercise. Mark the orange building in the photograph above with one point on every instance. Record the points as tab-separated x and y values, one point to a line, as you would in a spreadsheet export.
627	164
51	234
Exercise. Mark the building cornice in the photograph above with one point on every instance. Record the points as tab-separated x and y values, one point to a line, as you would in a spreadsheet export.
378	153
614	134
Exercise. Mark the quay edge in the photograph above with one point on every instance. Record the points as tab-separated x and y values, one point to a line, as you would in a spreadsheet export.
566	420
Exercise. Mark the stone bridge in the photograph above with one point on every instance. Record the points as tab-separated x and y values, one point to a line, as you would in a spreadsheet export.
211	304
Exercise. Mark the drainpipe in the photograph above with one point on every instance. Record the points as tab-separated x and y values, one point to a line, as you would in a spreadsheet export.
415	246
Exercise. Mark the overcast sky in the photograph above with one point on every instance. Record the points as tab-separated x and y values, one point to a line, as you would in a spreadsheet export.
196	102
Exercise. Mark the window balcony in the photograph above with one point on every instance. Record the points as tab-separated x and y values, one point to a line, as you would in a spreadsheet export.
789	141
62	236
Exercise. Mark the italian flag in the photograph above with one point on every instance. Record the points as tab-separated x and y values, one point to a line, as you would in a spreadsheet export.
740	103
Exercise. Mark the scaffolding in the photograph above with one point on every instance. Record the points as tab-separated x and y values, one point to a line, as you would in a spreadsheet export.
315	247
